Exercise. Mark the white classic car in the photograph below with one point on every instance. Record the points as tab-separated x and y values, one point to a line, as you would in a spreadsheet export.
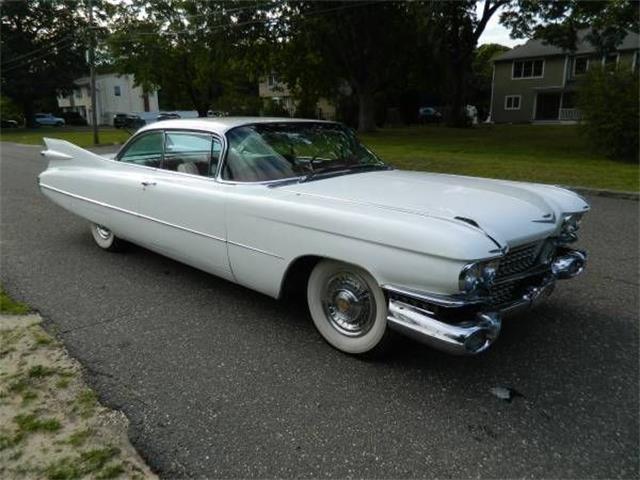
280	204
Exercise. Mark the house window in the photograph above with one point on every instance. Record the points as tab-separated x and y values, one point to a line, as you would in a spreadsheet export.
610	60
528	69
512	102
77	92
116	90
272	80
580	66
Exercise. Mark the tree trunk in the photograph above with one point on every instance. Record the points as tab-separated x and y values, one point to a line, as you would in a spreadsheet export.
202	110
29	113
459	79
366	112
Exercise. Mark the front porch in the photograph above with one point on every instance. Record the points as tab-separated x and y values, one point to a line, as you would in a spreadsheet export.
556	107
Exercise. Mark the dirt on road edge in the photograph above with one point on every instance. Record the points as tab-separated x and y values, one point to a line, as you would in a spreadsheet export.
51	423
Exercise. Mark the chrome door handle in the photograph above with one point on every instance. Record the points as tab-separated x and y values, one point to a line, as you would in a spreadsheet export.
147	183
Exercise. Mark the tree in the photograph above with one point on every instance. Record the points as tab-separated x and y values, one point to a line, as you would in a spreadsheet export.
558	23
459	26
43	47
365	44
608	100
193	50
482	75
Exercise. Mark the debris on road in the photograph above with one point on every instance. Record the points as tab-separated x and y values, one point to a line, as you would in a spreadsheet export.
505	393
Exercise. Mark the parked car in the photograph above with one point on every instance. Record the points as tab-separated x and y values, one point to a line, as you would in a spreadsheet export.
120	120
140	119
73	118
168	116
429	115
49	120
275	204
8	123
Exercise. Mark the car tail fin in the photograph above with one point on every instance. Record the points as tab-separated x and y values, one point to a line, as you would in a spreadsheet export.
63	152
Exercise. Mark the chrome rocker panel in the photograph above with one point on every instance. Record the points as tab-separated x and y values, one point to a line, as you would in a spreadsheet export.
480	331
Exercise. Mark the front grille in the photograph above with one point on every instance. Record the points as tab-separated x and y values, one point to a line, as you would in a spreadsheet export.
505	293
518	260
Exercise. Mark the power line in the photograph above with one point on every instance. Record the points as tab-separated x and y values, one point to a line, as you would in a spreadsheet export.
249	22
33	52
41	56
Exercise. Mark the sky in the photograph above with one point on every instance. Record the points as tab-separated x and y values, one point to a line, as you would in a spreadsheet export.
496	33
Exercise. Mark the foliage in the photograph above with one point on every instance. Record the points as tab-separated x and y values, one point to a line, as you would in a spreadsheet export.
482	76
458	26
194	51
9	110
560	22
8	306
327	46
43	50
608	100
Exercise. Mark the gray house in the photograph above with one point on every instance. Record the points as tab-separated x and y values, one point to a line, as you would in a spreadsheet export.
536	82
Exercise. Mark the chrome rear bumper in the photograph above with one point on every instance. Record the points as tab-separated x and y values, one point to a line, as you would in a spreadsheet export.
422	321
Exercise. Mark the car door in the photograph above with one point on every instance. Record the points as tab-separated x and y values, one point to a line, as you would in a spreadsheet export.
119	187
184	205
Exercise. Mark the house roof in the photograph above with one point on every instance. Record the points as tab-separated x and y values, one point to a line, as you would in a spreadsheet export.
537	48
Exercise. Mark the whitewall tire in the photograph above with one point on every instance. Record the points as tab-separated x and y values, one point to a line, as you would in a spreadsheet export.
348	307
105	238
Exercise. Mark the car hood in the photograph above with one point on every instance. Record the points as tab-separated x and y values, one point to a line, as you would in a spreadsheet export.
511	213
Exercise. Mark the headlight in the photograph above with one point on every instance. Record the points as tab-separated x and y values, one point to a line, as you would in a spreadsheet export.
570	225
478	275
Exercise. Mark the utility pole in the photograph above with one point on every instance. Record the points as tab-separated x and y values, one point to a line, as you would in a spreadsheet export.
92	74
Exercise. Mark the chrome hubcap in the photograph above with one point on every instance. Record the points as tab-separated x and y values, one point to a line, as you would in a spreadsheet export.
103	233
348	304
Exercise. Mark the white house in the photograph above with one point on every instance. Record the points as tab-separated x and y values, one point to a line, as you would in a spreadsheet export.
271	88
114	94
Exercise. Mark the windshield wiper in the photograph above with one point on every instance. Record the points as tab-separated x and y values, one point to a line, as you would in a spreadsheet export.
338	169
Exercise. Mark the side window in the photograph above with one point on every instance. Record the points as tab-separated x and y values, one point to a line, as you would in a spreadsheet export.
145	150
192	153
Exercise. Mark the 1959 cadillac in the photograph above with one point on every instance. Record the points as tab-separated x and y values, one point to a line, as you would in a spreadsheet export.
275	204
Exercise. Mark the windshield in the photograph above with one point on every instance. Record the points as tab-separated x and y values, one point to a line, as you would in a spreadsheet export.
268	151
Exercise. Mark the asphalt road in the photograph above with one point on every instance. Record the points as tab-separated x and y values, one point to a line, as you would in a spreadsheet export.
221	382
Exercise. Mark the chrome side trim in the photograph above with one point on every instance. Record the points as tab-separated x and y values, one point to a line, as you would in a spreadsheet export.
254	249
153	219
129	212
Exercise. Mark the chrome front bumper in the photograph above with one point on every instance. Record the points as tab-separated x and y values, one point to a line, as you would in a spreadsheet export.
479	325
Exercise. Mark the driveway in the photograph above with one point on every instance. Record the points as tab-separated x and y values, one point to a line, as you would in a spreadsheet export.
220	381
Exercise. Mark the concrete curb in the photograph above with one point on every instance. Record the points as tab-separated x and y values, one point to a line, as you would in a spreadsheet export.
600	192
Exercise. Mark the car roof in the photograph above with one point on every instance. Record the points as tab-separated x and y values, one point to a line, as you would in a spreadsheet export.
223	124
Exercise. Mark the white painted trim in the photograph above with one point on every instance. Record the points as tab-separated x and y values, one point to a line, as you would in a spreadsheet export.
617	54
513	67
565	72
493	86
573	69
519	97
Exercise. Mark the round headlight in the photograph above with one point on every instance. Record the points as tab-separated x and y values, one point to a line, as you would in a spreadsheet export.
470	278
571	223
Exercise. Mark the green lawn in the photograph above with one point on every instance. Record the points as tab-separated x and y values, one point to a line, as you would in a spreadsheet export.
554	154
539	153
81	136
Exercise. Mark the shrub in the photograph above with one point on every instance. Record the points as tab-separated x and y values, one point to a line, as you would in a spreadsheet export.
609	103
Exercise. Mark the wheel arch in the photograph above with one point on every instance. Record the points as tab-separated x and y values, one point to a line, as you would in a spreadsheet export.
297	273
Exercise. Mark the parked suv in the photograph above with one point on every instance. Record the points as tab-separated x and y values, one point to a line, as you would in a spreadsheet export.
49	119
